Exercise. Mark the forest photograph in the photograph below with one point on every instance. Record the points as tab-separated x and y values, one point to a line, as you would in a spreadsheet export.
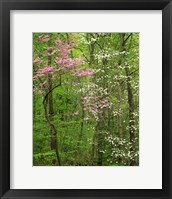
85	99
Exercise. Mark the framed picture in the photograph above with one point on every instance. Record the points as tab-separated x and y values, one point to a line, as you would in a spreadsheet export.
85	99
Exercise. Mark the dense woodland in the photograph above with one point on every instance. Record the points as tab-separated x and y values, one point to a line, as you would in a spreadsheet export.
85	99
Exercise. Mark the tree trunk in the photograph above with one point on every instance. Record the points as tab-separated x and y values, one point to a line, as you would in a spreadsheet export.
53	130
99	144
130	104
131	115
120	129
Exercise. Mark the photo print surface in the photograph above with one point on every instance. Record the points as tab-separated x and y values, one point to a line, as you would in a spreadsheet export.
86	99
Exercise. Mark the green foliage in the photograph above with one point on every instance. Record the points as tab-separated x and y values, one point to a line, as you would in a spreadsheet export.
42	159
87	121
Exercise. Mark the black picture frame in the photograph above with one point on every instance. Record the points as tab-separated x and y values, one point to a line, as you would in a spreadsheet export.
5	7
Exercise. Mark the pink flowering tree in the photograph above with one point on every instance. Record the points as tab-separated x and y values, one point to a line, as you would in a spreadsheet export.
54	64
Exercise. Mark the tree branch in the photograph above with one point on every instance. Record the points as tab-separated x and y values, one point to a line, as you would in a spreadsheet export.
127	38
50	92
82	52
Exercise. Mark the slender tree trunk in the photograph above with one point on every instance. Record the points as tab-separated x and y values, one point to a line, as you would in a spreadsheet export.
131	115
52	126
51	113
99	144
81	131
53	130
120	129
130	105
93	148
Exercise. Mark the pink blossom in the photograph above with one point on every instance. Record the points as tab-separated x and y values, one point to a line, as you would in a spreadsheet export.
94	104
71	40
67	62
58	42
37	60
37	91
79	61
38	75
67	46
64	60
42	84
47	70
52	53
104	105
83	73
43	38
